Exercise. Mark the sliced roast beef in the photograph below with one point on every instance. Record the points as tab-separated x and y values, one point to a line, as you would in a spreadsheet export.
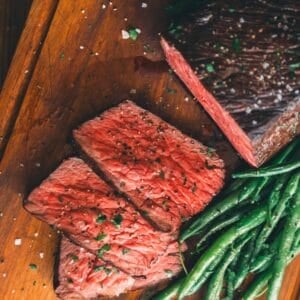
77	201
81	275
166	174
240	59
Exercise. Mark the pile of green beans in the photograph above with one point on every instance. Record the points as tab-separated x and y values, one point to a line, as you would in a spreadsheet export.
254	228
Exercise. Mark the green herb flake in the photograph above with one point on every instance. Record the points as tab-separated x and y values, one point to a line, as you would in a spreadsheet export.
62	56
293	67
236	45
102	250
125	251
210	68
107	271
73	257
144	213
133	33
33	266
117	220
100	219
175	30
100	236
98	268
210	151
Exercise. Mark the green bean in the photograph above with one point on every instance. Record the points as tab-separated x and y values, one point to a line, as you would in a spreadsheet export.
259	283
221	225
230	284
193	280
244	264
234	186
268	171
170	292
263	260
212	212
216	282
286	242
286	196
174	288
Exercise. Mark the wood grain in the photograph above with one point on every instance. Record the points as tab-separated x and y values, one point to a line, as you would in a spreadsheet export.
84	66
12	17
23	64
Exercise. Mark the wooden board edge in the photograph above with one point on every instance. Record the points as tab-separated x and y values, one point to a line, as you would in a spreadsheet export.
22	66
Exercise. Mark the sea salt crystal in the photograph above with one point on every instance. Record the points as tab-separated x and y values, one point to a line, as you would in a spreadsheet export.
42	255
144	5
18	242
125	35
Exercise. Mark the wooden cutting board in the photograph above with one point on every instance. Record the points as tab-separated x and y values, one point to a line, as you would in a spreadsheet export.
70	65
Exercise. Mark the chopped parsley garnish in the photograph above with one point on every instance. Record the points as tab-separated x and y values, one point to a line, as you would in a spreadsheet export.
133	33
73	257
236	45
98	268
101	218
175	30
210	151
144	213
102	250
125	250
210	68
102	268
100	236
295	66
33	266
117	220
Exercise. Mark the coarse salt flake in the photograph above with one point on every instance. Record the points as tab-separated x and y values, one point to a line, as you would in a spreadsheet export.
125	35
18	242
144	5
42	255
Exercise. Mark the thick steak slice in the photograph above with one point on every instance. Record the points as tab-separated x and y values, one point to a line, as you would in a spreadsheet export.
240	59
77	201
167	174
81	275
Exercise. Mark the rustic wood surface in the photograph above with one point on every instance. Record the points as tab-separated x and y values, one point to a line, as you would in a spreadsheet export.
12	17
81	67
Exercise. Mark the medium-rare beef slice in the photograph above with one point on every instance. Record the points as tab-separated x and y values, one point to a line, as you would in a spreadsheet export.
165	173
81	275
240	59
75	200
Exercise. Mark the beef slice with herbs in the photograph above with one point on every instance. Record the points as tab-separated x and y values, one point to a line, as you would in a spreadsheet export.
82	275
75	200
240	59
166	174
